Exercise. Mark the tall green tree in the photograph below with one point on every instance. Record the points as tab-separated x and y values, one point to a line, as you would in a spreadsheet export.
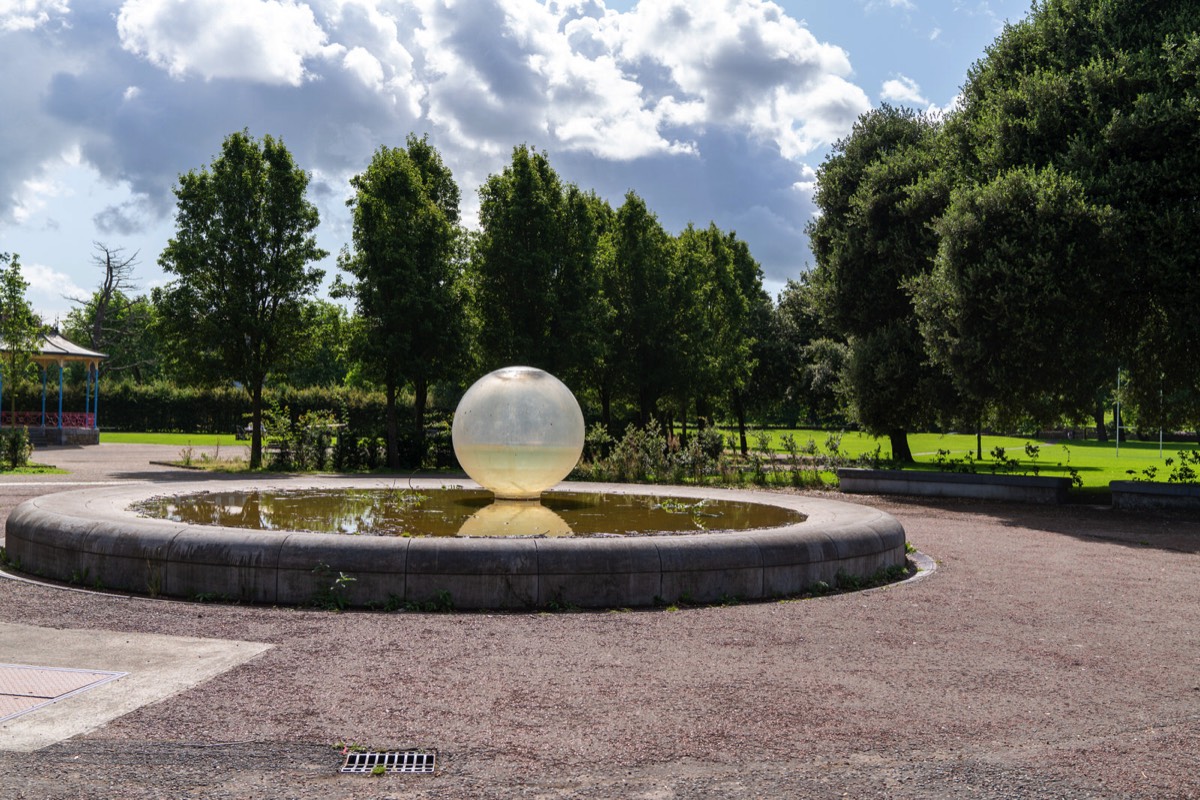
748	313
716	294
242	255
534	269
20	328
804	362
324	355
1105	93
1017	260
878	192
407	283
641	282
124	328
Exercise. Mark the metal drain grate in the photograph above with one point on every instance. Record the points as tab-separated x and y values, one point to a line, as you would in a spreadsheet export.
408	761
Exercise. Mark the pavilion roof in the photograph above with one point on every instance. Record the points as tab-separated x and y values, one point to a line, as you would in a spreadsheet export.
54	347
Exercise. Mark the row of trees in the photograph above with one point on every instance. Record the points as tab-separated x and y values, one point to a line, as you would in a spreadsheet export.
641	323
991	267
1002	262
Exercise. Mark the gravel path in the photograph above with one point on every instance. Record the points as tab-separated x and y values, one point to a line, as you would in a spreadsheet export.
1054	653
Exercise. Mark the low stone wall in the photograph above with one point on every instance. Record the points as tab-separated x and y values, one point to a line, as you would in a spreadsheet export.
1019	488
1138	495
53	435
90	537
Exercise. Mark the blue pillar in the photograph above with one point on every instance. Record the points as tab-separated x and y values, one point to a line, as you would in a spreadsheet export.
45	369
60	390
96	400
87	391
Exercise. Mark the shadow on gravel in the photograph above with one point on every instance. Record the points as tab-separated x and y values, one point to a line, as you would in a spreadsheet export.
181	476
1175	531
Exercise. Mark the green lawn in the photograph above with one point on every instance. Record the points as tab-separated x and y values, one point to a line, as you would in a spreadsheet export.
177	439
1097	463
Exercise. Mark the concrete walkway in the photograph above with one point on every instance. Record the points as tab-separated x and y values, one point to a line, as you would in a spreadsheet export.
1054	653
147	668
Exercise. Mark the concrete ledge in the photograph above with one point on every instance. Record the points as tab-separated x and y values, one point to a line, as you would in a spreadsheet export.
90	537
1019	488
1136	495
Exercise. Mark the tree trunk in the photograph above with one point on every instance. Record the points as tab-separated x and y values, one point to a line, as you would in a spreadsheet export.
901	453
979	442
420	392
645	407
1101	431
389	415
256	431
606	409
739	408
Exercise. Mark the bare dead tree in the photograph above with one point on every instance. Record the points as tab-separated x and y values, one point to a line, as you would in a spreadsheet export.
117	281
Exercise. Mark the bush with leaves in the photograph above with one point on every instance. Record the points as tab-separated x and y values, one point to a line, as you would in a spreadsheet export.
301	444
16	447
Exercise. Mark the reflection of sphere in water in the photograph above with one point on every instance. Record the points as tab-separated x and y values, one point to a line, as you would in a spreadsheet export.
514	518
518	431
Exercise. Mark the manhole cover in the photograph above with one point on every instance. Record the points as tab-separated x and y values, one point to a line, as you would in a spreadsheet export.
409	761
24	688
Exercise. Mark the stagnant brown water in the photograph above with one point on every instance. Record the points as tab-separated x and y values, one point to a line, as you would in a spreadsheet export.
463	512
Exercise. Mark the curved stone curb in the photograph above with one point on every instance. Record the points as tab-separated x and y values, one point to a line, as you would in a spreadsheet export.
926	566
90	538
978	486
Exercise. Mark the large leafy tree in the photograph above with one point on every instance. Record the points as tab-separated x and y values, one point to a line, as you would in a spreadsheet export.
748	314
802	364
242	255
20	328
534	269
641	280
877	193
1104	93
1018	254
324	353
122	327
407	283
720	308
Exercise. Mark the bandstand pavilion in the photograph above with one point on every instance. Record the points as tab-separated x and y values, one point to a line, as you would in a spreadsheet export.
51	424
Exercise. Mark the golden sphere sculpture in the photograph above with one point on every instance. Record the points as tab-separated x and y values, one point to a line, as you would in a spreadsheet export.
517	432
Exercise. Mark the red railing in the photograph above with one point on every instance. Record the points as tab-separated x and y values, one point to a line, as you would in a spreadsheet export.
33	419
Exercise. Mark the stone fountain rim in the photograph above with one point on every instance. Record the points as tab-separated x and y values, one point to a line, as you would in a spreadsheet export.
92	532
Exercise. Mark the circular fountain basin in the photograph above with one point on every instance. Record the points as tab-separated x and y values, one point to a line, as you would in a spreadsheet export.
93	537
463	512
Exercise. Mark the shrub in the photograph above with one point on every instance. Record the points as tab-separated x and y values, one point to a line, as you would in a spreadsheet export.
298	444
16	447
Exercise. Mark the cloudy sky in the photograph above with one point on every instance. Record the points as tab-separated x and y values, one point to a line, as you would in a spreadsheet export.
712	110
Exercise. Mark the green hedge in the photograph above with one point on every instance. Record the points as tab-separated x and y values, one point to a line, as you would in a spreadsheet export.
164	407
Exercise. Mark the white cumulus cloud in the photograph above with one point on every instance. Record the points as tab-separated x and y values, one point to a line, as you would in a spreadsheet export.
49	287
745	63
258	40
25	15
707	108
903	89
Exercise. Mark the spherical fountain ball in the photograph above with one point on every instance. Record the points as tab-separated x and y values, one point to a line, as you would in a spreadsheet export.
517	432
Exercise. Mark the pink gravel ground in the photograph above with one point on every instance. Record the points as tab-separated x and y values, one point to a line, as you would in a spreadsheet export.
1053	653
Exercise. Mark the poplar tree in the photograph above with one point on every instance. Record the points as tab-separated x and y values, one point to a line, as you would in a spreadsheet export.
20	328
407	269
